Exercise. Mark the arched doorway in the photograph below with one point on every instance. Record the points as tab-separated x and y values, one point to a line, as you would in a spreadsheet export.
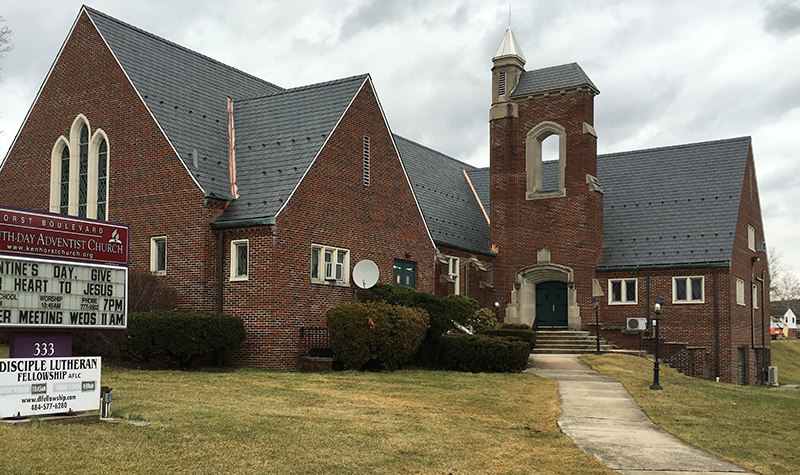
544	294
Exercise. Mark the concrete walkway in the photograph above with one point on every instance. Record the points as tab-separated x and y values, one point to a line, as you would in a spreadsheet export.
604	421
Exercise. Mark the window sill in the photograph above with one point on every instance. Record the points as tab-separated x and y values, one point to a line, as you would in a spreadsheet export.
540	195
332	283
239	279
682	302
623	303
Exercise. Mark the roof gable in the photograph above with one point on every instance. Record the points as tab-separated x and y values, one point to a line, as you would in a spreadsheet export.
185	92
278	137
672	205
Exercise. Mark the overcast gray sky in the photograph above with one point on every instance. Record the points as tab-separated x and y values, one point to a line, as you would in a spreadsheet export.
668	72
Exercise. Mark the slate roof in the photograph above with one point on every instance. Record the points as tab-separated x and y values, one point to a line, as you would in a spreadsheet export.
451	212
186	93
553	78
277	139
480	180
672	205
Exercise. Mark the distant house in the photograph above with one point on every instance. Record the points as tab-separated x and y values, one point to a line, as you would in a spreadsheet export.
785	324
257	200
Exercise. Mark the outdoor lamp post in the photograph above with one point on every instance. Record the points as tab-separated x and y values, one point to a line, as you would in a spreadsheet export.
596	324
657	310
497	309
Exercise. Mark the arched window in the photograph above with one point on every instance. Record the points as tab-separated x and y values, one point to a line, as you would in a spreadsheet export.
552	186
83	172
63	206
81	188
102	179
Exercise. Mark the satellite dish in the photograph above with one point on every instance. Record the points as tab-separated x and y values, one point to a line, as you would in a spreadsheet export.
365	274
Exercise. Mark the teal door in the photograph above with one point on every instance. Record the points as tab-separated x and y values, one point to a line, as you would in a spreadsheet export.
551	304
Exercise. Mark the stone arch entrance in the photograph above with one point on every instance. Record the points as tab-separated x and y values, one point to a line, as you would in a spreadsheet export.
550	288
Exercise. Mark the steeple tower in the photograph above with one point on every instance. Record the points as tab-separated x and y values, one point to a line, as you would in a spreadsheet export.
509	63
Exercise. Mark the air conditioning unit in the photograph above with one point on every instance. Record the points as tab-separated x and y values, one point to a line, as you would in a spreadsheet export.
334	271
773	376
637	324
761	246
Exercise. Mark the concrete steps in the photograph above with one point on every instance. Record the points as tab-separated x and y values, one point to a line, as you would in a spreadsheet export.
568	342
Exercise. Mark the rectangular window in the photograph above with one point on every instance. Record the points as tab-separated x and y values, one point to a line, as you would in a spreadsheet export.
739	292
751	238
622	291
330	265
158	255
755	296
405	273
239	259
366	167
688	289
453	270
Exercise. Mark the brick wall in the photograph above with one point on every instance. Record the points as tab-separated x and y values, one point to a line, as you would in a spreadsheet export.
571	226
331	207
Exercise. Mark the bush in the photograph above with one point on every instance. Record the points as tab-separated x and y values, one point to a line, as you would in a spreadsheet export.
148	292
525	333
484	319
379	333
442	311
483	353
182	336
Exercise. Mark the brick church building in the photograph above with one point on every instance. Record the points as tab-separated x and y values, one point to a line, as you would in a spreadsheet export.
258	201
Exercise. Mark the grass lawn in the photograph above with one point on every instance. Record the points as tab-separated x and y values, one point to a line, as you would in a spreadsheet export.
786	356
253	421
755	426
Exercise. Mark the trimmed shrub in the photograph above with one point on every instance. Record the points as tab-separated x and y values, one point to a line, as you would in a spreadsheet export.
483	353
377	333
516	326
182	336
525	334
442	311
484	319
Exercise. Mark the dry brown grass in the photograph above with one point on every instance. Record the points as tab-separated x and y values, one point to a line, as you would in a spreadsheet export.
250	421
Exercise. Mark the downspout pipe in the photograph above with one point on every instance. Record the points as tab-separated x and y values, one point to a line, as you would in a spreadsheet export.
753	261
220	268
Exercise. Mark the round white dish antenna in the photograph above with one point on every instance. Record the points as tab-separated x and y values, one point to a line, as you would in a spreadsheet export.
365	274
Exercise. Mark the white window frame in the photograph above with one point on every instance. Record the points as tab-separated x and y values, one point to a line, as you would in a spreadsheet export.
751	237
689	280
333	265
236	246
623	292
739	292
154	255
755	296
454	272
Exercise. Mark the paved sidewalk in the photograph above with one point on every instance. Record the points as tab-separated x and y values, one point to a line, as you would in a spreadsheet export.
603	420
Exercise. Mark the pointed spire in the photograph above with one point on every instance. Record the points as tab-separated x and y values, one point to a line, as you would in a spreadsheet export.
509	47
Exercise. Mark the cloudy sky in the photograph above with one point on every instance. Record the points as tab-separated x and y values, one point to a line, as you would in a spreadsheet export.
668	72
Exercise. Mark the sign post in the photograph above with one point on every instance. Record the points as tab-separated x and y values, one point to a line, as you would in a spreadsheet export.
58	274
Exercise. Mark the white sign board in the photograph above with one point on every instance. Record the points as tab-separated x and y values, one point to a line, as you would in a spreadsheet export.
43	294
38	386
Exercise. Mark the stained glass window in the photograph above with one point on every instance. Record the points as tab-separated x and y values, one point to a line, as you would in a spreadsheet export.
64	201
102	180
83	176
